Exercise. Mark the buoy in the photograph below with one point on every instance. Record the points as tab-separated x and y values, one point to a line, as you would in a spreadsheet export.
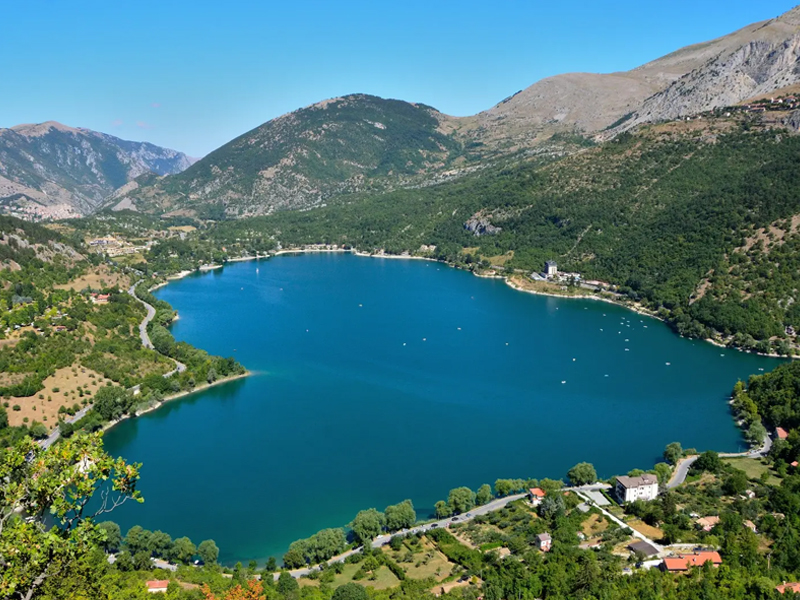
574	359
564	381
668	364
424	339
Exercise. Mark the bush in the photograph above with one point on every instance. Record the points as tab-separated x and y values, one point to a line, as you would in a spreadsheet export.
16	408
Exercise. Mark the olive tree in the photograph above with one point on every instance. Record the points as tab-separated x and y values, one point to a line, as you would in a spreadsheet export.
55	486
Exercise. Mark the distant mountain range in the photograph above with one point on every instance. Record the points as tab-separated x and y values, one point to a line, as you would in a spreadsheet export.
365	144
50	170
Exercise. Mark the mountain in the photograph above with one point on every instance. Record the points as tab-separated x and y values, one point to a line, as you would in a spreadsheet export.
50	170
362	143
756	59
299	160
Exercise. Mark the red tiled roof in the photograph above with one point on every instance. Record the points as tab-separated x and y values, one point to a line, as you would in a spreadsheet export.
684	561
793	587
781	433
794	463
538	492
157	584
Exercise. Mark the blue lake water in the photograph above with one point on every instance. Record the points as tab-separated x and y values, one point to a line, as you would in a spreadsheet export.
377	380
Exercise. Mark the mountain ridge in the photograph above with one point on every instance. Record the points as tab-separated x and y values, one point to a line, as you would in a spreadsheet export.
52	170
307	157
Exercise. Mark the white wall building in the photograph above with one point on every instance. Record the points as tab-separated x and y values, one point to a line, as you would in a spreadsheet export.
643	487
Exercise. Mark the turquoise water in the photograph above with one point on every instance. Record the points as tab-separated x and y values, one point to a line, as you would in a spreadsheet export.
379	380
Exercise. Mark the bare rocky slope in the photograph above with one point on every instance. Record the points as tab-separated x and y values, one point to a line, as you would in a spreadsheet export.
49	170
754	60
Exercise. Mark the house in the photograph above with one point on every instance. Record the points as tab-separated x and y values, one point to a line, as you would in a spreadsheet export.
794	463
550	268
536	495
544	541
682	562
793	587
780	432
59	328
751	526
158	586
707	523
643	487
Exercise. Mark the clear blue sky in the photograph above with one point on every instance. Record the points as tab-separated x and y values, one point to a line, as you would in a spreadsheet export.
193	75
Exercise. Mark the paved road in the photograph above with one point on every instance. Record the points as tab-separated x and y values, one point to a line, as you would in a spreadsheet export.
475	512
179	368
151	313
385	539
681	471
53	437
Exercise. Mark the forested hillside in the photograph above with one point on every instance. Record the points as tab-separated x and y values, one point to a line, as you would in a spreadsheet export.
669	214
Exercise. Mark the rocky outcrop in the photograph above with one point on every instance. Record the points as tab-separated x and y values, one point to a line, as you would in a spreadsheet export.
480	224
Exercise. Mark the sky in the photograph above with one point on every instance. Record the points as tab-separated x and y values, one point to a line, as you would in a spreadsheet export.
192	75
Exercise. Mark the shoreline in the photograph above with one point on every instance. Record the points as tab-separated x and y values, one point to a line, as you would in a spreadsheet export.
632	306
175	396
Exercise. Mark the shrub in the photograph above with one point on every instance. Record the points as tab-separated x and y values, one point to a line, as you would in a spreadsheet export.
17	407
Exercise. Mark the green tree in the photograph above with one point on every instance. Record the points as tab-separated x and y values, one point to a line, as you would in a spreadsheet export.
138	539
707	461
663	472
400	516
160	544
552	506
112	536
461	499
484	494
673	452
287	585
208	551
124	561
141	561
582	474
55	486
350	591
367	524
183	550
443	509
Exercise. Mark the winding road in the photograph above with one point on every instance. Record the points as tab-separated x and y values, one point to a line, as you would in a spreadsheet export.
684	464
179	367
151	313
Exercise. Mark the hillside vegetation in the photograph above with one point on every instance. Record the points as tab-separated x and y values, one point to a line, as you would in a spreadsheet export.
665	213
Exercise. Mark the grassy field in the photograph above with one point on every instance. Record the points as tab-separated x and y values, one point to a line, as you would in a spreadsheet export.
68	381
427	561
97	278
385	579
754	468
594	525
654	533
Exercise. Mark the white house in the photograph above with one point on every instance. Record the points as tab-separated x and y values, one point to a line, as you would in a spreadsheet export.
550	268
643	487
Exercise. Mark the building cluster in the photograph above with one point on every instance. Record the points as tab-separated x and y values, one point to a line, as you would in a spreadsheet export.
552	274
112	246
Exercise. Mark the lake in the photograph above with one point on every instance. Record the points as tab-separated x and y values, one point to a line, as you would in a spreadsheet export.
377	380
